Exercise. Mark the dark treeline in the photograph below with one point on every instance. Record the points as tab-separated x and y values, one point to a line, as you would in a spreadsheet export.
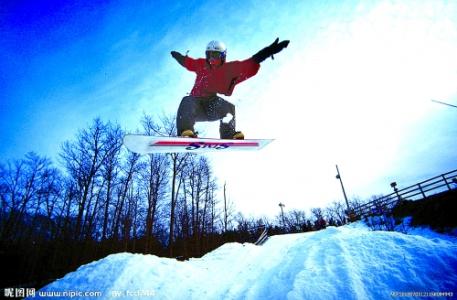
102	199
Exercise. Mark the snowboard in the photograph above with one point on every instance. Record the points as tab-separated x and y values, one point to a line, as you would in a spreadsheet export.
144	144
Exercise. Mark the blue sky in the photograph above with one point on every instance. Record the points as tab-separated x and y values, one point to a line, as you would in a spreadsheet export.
353	88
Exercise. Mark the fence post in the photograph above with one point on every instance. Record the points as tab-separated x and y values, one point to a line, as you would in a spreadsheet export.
447	183
422	191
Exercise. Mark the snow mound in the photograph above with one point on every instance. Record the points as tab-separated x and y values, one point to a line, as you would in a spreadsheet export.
349	262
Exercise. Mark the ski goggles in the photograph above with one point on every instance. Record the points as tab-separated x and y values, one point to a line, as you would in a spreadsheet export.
214	54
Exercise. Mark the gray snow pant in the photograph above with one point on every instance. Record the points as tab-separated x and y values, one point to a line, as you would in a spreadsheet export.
199	109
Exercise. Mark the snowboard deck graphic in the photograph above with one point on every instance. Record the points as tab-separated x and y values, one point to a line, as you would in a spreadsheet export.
144	144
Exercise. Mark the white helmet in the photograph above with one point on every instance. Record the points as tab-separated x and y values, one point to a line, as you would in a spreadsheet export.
216	46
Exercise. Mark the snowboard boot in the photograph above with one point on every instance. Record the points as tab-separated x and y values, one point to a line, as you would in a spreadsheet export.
227	132
238	135
189	134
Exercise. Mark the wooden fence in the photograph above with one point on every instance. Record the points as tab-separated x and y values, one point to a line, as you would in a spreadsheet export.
421	190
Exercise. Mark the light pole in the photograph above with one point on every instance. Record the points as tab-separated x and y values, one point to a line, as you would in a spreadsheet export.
282	213
394	186
338	176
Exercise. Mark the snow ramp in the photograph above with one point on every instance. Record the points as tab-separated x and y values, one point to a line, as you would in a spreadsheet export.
350	262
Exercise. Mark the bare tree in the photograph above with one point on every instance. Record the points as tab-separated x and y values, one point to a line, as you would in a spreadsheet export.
229	209
200	188
154	177
83	160
110	170
48	201
296	220
21	185
130	169
177	164
337	212
319	222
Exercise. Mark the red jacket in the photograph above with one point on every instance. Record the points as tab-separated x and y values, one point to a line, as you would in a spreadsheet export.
221	79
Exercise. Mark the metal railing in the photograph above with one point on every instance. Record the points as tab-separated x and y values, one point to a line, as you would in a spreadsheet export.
421	190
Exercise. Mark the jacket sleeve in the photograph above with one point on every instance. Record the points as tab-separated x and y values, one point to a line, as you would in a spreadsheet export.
192	64
240	71
246	69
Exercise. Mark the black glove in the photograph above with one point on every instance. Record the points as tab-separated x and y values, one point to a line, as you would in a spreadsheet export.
274	48
179	57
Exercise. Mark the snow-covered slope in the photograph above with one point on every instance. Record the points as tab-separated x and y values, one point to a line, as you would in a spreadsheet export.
348	262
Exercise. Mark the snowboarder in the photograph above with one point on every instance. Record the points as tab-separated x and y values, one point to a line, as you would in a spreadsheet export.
216	76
